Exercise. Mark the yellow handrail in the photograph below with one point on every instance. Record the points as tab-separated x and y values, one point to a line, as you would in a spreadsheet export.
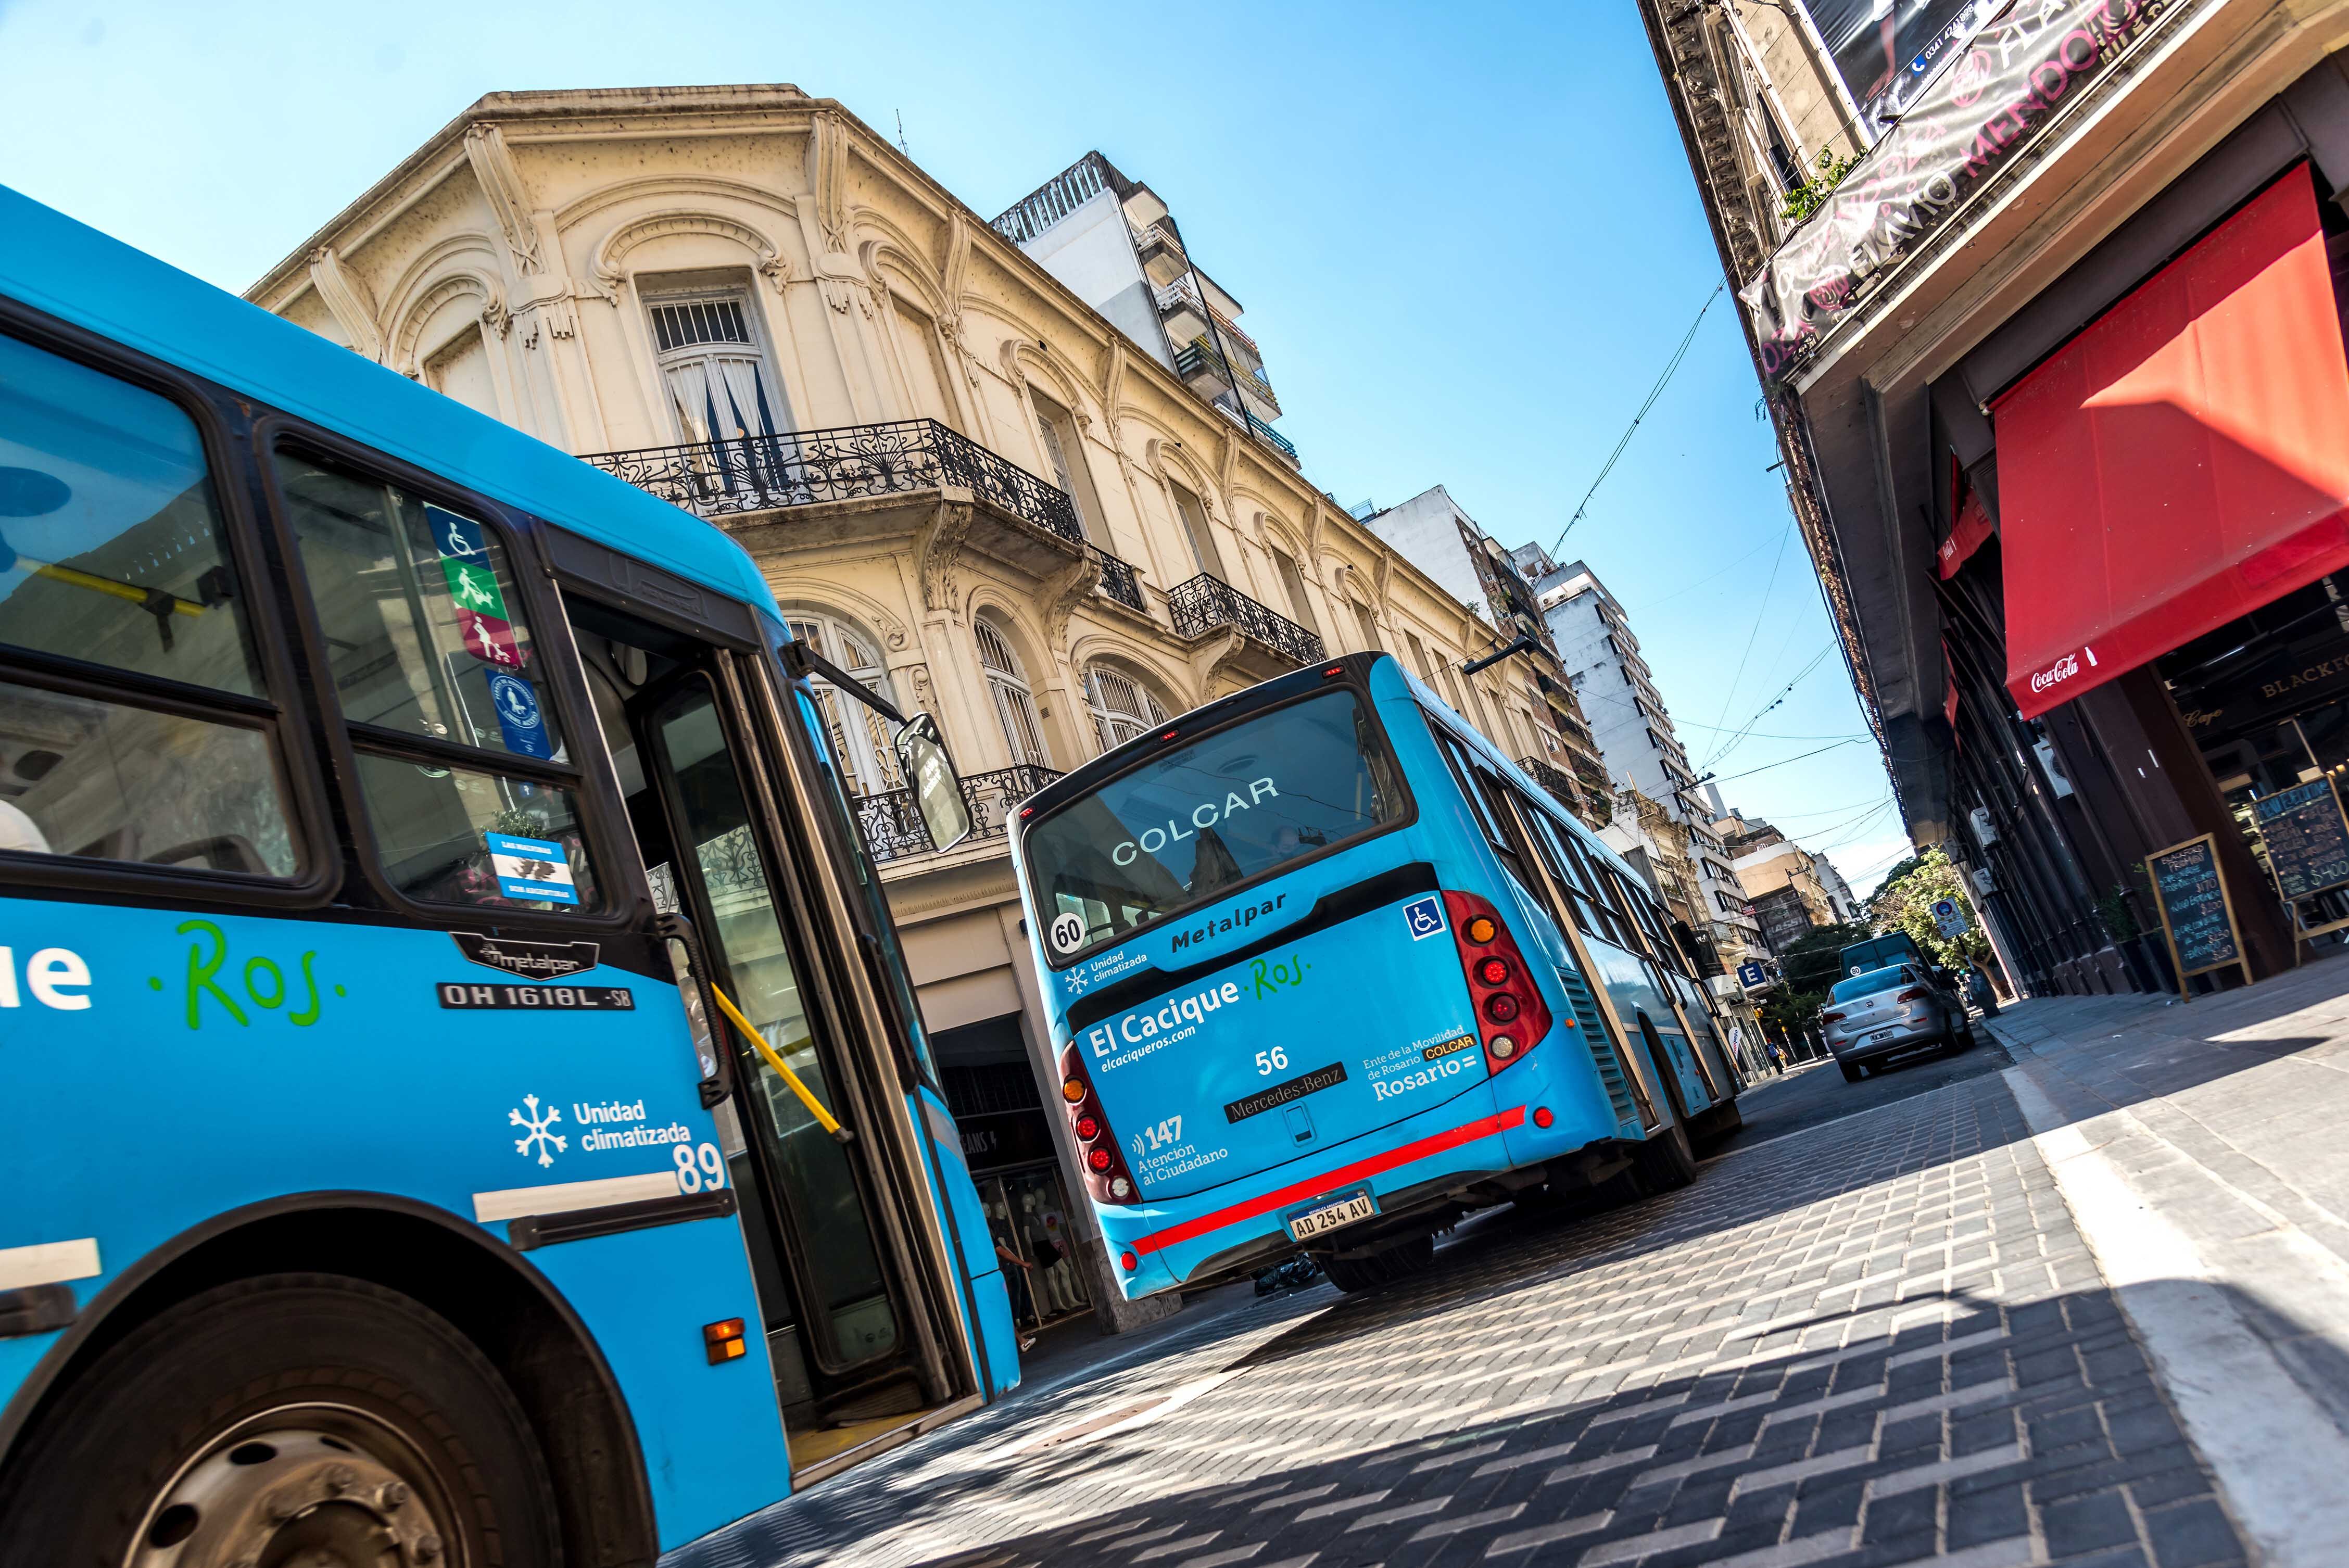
824	1117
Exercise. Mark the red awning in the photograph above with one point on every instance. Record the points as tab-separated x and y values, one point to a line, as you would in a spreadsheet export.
2182	462
1972	529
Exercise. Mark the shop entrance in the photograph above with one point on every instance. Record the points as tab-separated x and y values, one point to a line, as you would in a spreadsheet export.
1006	1138
2266	698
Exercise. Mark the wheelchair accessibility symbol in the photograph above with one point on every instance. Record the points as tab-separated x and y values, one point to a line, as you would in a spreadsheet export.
1425	918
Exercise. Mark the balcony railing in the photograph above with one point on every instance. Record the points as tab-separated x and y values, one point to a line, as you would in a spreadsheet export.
1202	605
1118	580
891	821
802	468
1056	198
1198	360
1552	779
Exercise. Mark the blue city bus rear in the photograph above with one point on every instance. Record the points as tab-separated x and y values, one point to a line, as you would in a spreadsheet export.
219	1077
1298	999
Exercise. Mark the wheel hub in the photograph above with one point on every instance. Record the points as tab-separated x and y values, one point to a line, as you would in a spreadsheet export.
307	1488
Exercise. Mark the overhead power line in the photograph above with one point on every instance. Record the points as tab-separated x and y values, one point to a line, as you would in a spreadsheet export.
1780	763
1654	392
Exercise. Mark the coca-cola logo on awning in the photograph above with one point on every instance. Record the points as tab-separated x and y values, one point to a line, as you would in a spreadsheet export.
2062	670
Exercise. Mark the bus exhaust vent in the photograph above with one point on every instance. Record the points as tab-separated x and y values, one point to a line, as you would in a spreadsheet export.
1602	1047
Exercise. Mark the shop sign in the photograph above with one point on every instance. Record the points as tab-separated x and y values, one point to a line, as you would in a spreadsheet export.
1967	120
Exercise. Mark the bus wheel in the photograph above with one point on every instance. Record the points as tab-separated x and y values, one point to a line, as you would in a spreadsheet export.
1666	1162
1398	1262
289	1418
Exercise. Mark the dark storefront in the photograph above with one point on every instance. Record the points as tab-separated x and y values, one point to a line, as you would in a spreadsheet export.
1008	1141
2142	634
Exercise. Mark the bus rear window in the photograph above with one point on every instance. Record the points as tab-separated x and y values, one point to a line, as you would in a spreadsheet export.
1191	824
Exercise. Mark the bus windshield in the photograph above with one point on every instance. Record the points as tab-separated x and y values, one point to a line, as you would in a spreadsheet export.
1195	822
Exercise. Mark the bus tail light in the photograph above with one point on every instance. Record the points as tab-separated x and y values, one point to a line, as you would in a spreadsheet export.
1510	1011
1106	1177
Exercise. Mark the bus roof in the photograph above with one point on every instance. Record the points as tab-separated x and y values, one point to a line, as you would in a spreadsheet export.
53	264
1085	779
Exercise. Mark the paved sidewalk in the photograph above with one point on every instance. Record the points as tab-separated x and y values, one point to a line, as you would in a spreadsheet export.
2200	1146
1880	1341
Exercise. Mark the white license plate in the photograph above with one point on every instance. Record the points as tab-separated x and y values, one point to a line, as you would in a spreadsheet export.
1881	1036
1329	1216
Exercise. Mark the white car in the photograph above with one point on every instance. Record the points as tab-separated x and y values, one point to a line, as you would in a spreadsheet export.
1870	1018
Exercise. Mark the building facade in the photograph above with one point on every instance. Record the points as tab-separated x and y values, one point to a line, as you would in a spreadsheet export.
970	489
1633	728
1525	695
2057	371
1792	891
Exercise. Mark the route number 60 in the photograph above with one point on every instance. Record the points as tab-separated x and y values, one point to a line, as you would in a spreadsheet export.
699	1167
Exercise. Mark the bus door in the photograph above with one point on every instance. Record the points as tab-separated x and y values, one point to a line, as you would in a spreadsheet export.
854	1352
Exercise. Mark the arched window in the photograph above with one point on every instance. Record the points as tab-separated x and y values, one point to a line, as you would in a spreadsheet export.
1123	706
1015	704
860	735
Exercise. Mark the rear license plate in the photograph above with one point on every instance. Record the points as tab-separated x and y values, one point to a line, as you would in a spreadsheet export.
1881	1036
1353	1206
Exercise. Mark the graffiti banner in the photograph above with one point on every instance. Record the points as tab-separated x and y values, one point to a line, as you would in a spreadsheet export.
1973	116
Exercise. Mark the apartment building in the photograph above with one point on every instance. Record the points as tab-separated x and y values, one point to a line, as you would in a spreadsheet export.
1792	890
1633	729
1115	243
970	489
1525	694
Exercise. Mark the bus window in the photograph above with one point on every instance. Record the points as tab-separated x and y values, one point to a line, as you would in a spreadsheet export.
1606	897
113	551
1487	812
1198	820
1554	857
431	656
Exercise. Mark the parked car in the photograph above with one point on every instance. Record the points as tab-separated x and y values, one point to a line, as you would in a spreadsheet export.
1870	1018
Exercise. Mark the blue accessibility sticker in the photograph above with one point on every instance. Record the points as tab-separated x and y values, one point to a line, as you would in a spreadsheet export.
457	538
1424	916
519	714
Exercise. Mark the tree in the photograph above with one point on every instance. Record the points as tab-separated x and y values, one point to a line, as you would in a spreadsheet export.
1810	965
1905	903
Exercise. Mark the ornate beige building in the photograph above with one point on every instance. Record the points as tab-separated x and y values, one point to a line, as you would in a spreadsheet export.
745	300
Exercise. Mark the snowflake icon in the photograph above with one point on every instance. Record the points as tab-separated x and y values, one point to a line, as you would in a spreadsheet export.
549	1143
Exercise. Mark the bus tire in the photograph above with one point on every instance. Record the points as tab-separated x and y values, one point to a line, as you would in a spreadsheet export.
1665	1162
289	1415
1400	1261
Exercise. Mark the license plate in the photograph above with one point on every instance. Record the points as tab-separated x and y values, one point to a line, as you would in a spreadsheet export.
1881	1036
1353	1206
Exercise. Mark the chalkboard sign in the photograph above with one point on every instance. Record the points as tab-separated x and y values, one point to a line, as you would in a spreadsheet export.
2307	839
2196	914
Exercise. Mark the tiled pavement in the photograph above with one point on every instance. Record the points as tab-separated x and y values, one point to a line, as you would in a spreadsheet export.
1878	1342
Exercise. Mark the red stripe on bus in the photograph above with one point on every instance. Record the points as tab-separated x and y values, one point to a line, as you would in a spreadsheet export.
1434	1143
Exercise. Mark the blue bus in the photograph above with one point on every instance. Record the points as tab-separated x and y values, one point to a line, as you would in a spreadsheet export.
1328	971
465	1102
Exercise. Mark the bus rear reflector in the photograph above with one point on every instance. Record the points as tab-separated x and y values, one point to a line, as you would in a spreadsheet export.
1510	1006
1103	1167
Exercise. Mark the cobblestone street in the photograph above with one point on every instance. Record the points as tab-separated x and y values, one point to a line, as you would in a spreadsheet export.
1881	1340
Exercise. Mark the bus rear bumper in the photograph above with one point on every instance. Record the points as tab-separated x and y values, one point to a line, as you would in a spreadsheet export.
1465	1143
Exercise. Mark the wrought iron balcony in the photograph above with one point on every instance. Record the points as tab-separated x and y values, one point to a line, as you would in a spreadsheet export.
891	821
1203	603
802	468
1552	779
1199	362
1118	580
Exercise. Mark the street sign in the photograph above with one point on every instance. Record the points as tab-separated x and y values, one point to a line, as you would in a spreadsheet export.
1751	974
1950	920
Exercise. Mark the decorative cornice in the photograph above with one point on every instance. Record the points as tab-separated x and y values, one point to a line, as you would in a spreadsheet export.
607	272
346	299
494	168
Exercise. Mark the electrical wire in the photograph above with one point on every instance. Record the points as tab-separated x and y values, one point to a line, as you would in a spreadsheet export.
1654	392
1760	611
1780	763
1738	737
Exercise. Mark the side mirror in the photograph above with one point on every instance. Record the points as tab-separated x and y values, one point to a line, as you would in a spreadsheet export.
922	753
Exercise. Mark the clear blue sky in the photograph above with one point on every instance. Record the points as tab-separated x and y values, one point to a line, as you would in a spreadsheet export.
1467	241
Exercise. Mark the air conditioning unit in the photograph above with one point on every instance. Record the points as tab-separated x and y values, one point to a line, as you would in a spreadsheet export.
1985	830
1982	882
2045	750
